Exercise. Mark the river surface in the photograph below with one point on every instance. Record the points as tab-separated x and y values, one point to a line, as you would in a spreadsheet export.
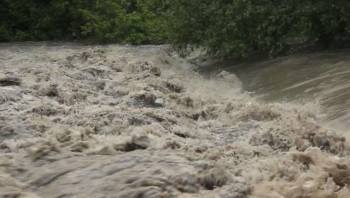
134	121
323	77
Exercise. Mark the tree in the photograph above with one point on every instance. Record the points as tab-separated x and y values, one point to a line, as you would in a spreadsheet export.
121	21
242	27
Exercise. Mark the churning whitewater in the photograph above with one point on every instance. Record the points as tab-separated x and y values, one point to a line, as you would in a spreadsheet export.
118	121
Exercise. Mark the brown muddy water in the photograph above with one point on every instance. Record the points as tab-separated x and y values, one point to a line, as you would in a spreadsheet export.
323	77
132	122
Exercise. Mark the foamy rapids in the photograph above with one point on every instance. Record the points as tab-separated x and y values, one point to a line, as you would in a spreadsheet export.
119	121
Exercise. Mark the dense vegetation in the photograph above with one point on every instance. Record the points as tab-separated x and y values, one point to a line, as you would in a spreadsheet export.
266	26
122	21
239	27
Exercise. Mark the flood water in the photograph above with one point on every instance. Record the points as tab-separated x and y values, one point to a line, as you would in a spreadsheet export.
323	77
86	121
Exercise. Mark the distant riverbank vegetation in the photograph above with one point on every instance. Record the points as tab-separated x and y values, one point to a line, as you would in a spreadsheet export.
236	27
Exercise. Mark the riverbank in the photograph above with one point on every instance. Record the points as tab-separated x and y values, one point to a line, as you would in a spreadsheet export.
116	121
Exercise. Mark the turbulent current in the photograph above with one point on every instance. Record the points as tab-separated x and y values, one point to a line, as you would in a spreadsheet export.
322	77
132	122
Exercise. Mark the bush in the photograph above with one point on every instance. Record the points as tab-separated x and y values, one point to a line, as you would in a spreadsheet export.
242	27
122	21
239	27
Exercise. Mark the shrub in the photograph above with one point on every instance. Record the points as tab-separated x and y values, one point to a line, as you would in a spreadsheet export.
242	27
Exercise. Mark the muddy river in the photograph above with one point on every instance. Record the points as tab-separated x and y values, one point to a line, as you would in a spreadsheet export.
321	77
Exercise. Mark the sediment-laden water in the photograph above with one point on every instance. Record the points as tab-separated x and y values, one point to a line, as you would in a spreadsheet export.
322	77
118	121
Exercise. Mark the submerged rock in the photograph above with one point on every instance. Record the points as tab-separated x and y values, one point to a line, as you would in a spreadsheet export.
155	71
8	80
159	102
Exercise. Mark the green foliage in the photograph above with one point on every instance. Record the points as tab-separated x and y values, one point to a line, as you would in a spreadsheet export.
122	21
37	20
242	27
236	27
